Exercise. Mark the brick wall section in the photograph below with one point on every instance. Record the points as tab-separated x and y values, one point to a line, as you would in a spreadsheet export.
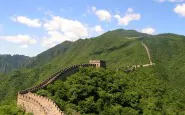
30	105
40	105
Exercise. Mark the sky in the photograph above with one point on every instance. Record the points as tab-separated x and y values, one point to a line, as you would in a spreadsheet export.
30	27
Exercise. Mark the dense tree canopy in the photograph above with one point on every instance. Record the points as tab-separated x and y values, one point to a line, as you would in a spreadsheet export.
108	92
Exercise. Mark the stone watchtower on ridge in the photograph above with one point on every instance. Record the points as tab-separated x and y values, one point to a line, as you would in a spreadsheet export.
98	63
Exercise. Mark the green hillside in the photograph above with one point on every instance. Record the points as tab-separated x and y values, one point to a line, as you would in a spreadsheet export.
118	51
168	52
119	48
48	55
9	63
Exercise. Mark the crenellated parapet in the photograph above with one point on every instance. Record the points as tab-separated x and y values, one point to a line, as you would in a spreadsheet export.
40	105
60	74
31	105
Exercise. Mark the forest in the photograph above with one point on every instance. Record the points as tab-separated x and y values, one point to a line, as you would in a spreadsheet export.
107	92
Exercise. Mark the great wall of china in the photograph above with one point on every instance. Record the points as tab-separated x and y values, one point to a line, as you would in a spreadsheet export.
133	67
39	105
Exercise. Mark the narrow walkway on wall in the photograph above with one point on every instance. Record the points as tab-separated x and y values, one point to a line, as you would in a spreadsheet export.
133	67
149	56
39	105
148	53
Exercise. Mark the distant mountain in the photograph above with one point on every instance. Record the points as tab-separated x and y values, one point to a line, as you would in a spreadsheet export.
48	55
9	63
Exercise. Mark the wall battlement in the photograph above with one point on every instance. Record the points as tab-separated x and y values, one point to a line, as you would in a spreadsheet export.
98	63
30	105
40	105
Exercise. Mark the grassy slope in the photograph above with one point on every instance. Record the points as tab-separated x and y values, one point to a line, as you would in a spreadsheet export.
48	55
168	52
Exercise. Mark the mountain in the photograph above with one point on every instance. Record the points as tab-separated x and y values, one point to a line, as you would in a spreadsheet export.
48	55
9	63
118	51
119	48
65	47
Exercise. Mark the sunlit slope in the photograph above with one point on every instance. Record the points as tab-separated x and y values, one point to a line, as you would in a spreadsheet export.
168	52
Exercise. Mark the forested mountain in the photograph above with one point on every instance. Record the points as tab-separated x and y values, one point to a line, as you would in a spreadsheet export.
48	55
66	46
9	63
119	48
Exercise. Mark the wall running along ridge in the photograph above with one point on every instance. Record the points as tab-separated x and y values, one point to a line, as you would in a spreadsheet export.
39	105
148	53
133	67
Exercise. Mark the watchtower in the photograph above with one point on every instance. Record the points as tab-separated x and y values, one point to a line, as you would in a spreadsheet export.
98	63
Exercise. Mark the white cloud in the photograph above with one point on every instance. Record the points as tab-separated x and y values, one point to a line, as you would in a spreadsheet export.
180	9
148	30
24	46
98	29
170	0
20	39
61	29
102	14
27	21
129	16
53	38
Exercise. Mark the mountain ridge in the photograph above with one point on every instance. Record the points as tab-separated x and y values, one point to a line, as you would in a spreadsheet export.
9	63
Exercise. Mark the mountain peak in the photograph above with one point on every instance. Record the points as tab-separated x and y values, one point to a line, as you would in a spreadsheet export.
124	33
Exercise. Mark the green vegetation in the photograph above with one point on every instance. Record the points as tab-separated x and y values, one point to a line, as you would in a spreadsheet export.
108	92
48	55
11	109
9	63
167	51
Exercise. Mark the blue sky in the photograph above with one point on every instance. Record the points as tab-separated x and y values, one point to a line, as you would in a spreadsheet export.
31	27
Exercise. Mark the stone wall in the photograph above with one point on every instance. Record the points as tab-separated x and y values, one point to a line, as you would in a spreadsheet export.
30	105
40	105
58	75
